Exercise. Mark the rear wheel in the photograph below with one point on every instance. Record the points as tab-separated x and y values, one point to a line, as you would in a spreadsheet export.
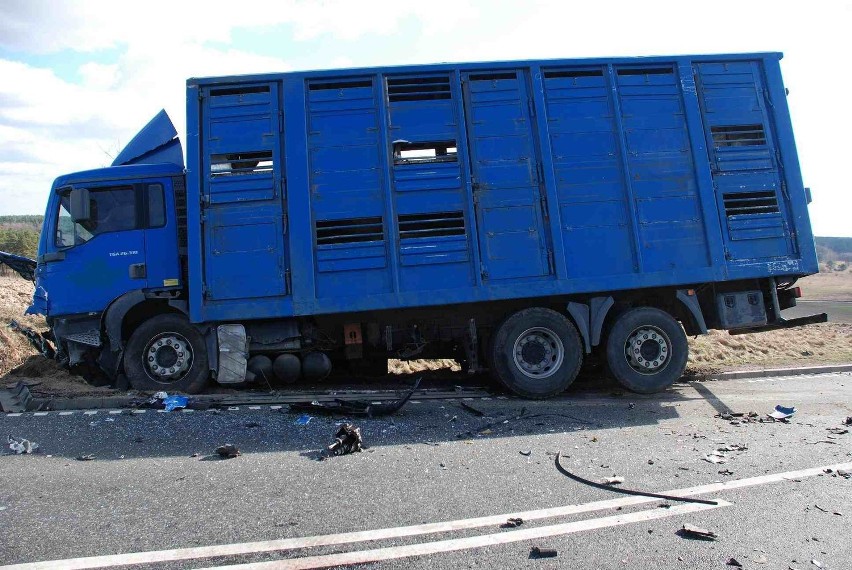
646	350
536	353
167	353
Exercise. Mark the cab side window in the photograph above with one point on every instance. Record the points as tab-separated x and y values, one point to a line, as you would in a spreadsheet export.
112	209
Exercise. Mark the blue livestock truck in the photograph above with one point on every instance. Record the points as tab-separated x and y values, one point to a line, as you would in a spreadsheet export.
516	216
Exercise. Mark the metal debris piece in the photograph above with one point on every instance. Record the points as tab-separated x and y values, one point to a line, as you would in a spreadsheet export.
21	446
346	440
613	480
87	457
733	562
355	407
37	339
16	398
228	451
690	531
512	522
538	552
782	413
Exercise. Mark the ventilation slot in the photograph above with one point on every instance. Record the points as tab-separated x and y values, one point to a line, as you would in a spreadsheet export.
314	86
238	163
352	230
738	135
573	73
436	224
645	71
744	203
419	89
492	76
239	90
180	211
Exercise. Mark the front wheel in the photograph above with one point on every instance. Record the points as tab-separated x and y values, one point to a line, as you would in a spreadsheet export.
167	353
646	350
536	353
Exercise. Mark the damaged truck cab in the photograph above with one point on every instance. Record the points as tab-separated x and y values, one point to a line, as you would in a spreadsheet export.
515	216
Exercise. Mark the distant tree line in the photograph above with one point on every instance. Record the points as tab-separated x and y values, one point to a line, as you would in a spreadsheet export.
19	235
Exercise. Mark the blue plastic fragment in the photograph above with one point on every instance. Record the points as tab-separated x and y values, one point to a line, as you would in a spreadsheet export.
782	413
304	420
175	402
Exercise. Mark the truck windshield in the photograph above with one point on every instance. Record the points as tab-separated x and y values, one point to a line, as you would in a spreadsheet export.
112	210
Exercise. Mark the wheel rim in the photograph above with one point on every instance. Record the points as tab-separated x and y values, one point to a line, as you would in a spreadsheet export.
538	352
648	350
167	357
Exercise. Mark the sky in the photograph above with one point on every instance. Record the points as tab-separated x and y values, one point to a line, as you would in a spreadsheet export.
78	79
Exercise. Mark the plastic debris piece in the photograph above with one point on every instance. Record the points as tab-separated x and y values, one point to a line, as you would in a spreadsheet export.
782	413
732	447
844	473
816	563
512	522
613	480
690	531
355	407
726	472
526	453
539	552
175	402
733	562
87	457
848	421
347	440
228	451
304	420
715	459
21	446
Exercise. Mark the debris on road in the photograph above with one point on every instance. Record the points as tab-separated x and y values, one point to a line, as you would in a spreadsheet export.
526	452
87	457
539	552
16	398
816	563
355	407
21	446
690	531
848	421
613	480
171	403
303	420
512	522
624	491
733	562
838	430
347	440
782	413
228	451
715	457
726	472
472	411
843	473
733	447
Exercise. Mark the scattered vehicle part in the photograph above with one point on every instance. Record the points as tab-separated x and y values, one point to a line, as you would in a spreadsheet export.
816	563
613	480
848	421
733	562
732	447
691	531
356	407
228	451
512	522
526	452
624	491
303	420
172	403
715	458
87	457
539	552
38	340
21	446
782	413
16	399
726	472
471	410
347	440
23	266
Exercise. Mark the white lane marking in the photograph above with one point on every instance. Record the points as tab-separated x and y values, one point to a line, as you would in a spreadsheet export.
139	411
14	415
254	407
275	407
90	412
114	412
155	556
422	549
40	413
66	413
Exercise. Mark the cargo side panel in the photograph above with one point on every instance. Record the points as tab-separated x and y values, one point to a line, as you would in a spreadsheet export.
242	211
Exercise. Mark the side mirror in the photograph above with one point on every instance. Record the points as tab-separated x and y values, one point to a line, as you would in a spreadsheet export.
80	205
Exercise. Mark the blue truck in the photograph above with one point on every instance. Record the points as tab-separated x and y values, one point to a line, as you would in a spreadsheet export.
516	216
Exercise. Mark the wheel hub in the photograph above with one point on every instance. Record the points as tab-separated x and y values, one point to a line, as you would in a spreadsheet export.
647	350
167	357
538	352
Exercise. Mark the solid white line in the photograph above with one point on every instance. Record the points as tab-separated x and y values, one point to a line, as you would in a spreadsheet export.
155	556
422	549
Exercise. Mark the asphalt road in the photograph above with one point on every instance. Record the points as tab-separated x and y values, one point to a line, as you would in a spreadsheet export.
434	462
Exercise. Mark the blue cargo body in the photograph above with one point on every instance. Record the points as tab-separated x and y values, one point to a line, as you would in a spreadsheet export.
339	191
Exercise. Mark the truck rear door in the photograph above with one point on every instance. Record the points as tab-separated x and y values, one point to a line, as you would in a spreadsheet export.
506	175
244	195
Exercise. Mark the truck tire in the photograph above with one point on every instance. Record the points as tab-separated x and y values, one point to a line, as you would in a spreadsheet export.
167	353
646	350
536	353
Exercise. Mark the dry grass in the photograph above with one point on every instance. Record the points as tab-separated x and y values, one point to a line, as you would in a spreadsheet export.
833	286
15	297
